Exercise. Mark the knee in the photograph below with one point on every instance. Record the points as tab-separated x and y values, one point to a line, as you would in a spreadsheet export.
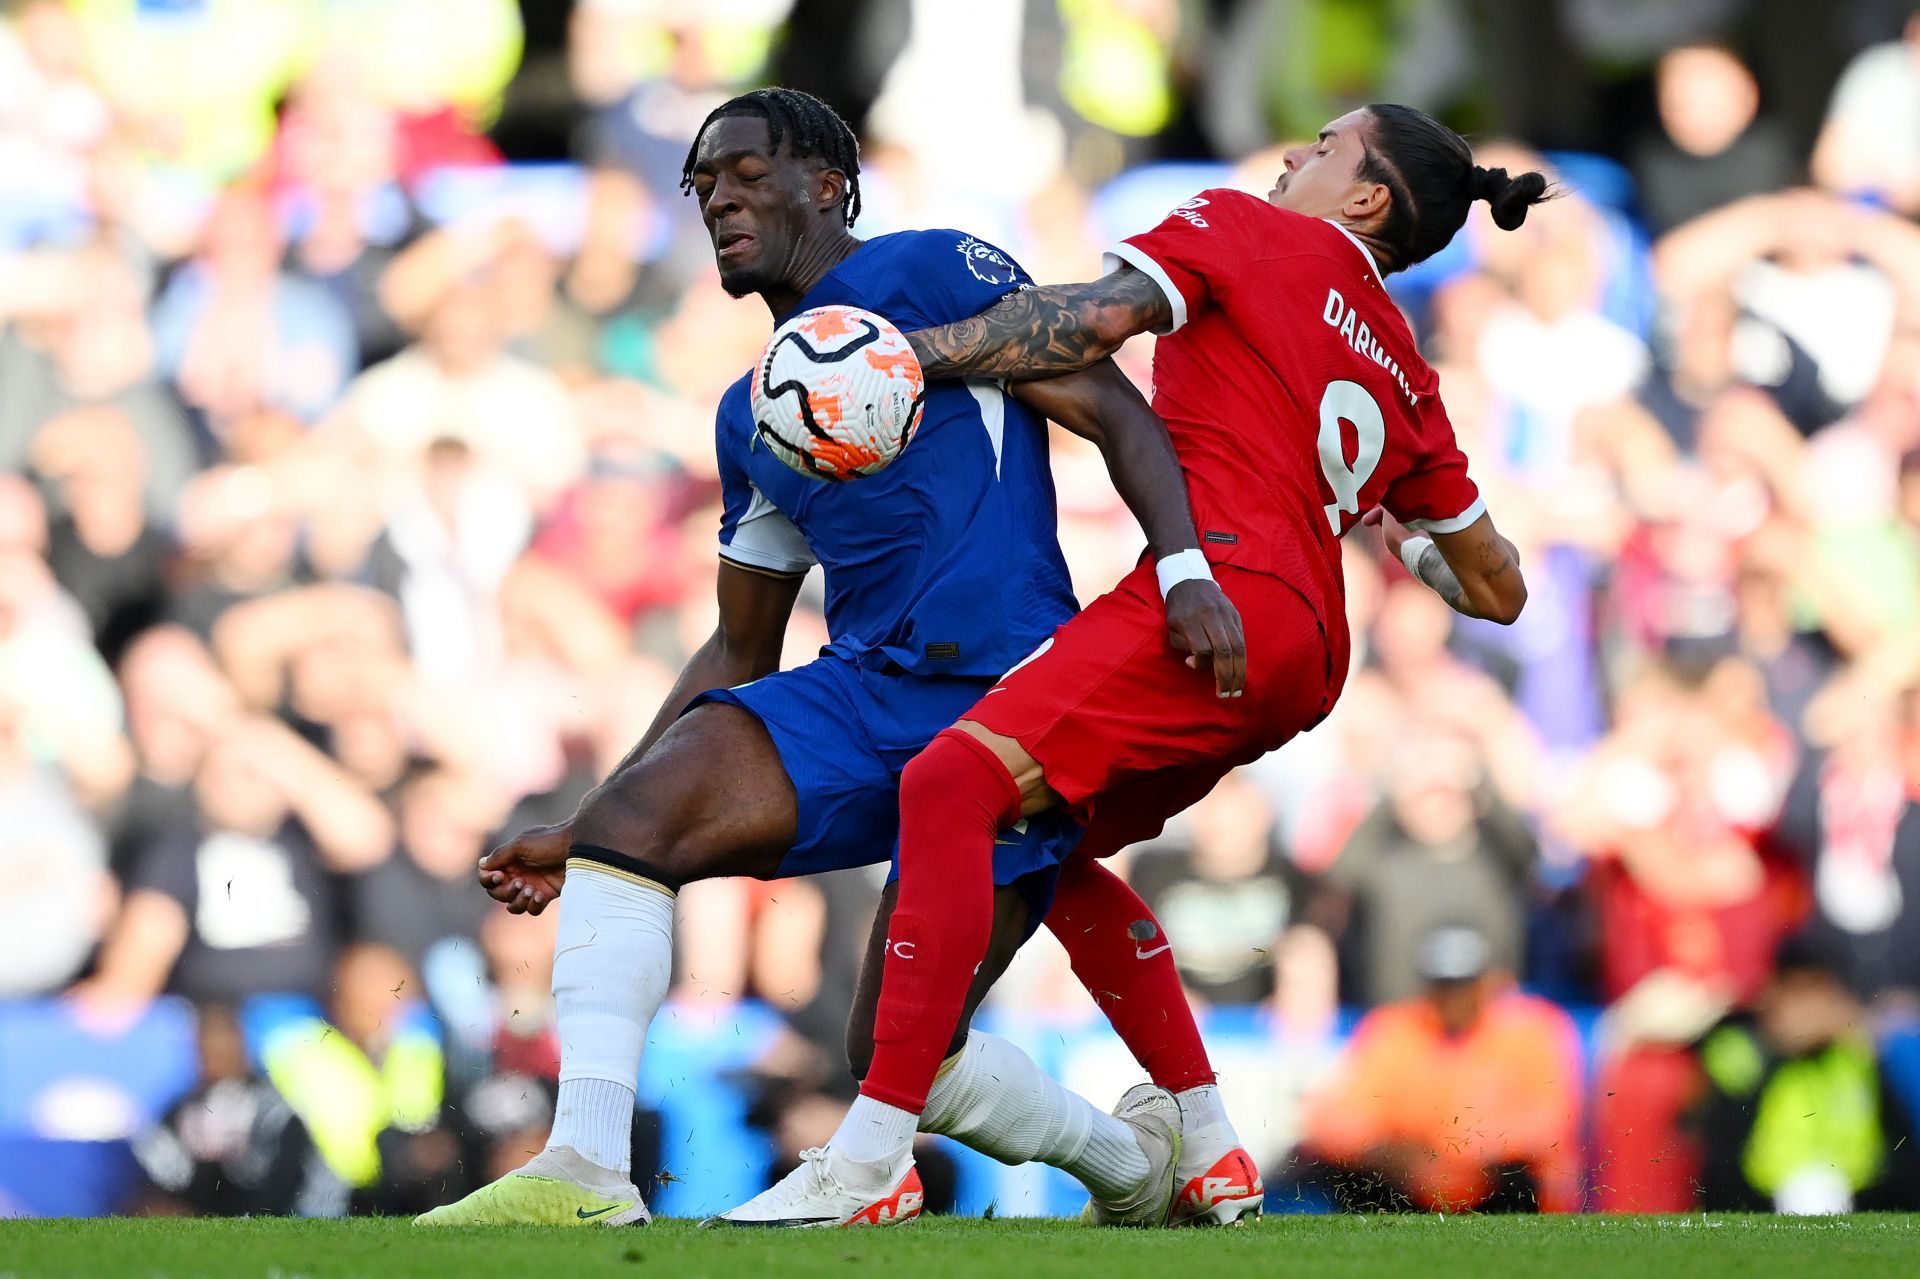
617	820
930	772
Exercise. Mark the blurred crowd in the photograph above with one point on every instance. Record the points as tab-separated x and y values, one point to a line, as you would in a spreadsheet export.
357	504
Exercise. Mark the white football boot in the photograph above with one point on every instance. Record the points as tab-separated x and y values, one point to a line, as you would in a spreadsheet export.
813	1196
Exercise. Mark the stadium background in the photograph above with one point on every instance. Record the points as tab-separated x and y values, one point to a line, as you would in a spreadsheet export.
357	361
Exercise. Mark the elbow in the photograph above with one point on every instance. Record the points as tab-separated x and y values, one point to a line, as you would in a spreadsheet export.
1505	606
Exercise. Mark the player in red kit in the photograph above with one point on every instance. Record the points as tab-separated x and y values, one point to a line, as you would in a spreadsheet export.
1298	404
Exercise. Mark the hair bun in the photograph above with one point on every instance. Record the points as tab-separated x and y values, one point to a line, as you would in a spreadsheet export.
1510	198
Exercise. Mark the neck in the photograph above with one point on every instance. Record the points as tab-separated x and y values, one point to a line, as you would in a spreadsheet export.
812	256
1382	256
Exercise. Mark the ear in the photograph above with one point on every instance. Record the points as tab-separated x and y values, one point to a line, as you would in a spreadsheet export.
1368	201
829	189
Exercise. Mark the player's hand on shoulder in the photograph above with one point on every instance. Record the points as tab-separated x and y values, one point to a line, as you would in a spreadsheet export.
1203	623
526	872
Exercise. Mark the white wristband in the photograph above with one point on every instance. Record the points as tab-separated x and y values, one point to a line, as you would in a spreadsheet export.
1410	552
1183	566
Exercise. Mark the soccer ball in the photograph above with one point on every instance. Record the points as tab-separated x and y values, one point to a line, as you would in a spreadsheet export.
838	393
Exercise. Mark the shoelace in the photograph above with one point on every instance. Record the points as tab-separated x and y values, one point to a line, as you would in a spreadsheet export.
819	1178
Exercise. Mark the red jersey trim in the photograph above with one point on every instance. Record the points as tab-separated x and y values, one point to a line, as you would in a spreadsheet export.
1455	524
1142	261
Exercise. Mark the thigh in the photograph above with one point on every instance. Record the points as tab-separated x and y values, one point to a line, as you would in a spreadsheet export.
845	793
1013	923
710	799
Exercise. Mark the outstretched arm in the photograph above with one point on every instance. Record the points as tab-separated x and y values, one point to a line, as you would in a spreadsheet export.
1476	571
1101	405
1039	333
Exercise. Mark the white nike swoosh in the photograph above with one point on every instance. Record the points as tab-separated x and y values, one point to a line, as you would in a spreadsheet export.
1149	954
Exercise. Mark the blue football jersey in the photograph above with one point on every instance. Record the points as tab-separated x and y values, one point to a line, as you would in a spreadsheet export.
947	562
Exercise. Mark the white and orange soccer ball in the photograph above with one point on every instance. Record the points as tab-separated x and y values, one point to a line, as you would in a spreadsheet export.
838	393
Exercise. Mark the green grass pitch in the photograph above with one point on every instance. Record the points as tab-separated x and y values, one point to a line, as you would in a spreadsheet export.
1373	1247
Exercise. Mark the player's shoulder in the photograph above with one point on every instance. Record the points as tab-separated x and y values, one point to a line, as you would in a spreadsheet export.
733	417
1266	229
946	249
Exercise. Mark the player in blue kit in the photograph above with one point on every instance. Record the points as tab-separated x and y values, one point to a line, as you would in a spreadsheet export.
942	571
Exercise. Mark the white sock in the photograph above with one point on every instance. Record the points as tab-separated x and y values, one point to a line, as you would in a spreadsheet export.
877	1139
612	961
595	1117
1202	1113
994	1099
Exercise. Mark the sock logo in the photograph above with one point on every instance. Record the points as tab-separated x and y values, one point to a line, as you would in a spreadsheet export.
901	949
1145	930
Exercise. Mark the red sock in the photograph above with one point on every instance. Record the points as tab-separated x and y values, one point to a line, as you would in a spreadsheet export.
955	796
1121	956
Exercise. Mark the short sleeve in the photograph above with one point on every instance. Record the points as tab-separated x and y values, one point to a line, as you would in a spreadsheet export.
1195	243
1436	495
754	533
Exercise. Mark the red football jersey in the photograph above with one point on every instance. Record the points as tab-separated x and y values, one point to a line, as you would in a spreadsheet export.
1294	392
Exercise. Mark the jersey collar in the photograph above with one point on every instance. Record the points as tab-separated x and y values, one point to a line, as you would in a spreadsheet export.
1358	243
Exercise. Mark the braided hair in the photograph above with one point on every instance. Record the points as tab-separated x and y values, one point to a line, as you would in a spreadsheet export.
807	125
1429	170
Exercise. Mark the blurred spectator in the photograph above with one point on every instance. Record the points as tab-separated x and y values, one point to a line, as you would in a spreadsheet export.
1870	144
369	1082
67	706
1851	818
424	893
1466	1097
1441	851
232	1147
338	153
1224	892
240	901
1827	277
459	382
1713	146
236	331
178	701
1548	350
1672	809
77	336
1796	1115
57	860
104	548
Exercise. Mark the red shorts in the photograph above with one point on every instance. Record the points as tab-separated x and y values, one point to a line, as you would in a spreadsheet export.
1127	734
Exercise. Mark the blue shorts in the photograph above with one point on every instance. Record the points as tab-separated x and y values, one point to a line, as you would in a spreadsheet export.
844	733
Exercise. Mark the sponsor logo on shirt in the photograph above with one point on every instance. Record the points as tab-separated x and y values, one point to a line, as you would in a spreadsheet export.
1190	211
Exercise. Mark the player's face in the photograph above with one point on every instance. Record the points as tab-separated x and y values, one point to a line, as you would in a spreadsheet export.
1322	179
757	203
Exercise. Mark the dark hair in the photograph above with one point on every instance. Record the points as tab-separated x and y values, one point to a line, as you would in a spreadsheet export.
807	125
1429	171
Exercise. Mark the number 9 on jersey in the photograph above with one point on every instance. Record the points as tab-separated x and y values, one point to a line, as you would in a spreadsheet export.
838	393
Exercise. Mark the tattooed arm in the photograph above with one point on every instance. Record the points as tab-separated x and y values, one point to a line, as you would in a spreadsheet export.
1476	571
1039	333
